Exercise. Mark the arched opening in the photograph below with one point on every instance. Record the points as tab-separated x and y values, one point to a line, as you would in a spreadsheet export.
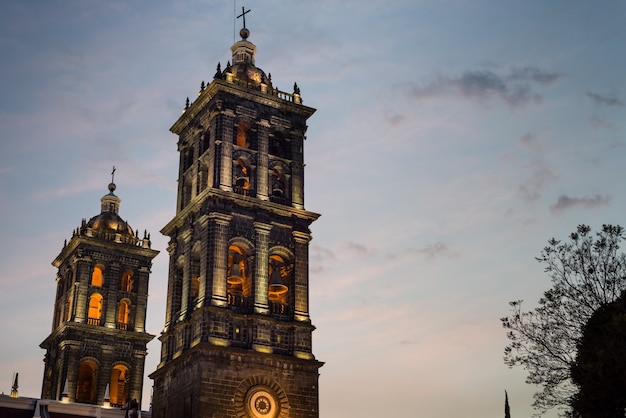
279	272
68	308
242	139
118	387
123	314
95	309
236	277
87	378
278	185
194	284
242	177
127	281
97	277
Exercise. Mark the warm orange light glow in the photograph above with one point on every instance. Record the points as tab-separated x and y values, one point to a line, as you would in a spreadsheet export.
127	281
123	313
97	276
242	134
118	389
95	306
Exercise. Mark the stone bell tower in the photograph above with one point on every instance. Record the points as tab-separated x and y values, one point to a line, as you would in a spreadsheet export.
96	351
237	336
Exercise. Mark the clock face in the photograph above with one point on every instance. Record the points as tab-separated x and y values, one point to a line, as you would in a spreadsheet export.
261	403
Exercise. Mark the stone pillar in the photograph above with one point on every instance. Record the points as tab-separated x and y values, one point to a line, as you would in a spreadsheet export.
226	166
262	260
204	292
297	171
141	282
83	276
218	225
262	177
110	304
186	279
301	275
170	310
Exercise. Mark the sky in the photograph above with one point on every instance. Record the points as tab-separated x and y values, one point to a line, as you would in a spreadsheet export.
452	139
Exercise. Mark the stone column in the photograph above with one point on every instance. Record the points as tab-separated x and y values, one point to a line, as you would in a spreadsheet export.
301	275
204	292
170	309
110	304
143	275
261	275
297	171
218	225
186	279
262	177
226	165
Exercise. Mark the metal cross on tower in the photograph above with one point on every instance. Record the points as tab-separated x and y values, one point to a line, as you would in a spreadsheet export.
243	14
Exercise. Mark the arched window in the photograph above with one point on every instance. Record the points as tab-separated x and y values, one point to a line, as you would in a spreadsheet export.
123	314
242	177
97	277
236	280
127	281
87	378
242	134
278	183
95	309
118	390
68	308
278	279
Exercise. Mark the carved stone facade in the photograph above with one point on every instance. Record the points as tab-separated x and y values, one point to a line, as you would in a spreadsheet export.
237	340
96	351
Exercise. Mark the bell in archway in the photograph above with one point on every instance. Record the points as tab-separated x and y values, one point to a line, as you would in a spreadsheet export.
235	277
276	285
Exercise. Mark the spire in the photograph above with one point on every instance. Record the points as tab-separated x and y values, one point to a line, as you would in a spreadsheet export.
15	386
110	202
507	409
243	51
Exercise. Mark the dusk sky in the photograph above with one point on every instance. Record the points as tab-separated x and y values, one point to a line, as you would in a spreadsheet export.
452	139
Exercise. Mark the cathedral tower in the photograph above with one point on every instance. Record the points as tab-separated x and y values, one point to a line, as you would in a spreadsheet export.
95	353
237	335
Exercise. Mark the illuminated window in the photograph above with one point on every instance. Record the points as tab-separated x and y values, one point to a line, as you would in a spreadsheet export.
95	309
97	276
118	385
127	281
278	277
195	287
123	314
236	280
87	378
242	139
242	177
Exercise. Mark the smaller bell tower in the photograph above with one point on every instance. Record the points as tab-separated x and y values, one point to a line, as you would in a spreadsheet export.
96	351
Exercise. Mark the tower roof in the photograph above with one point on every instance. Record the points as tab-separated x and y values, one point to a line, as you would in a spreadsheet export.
109	220
243	61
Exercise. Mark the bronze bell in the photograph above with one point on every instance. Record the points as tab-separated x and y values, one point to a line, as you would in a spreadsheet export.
276	285
235	276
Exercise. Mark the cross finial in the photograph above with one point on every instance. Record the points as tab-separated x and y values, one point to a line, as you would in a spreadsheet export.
243	14
113	175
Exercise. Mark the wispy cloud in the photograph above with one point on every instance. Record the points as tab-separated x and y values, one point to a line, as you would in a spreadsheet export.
360	249
605	100
540	175
514	88
600	122
565	202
